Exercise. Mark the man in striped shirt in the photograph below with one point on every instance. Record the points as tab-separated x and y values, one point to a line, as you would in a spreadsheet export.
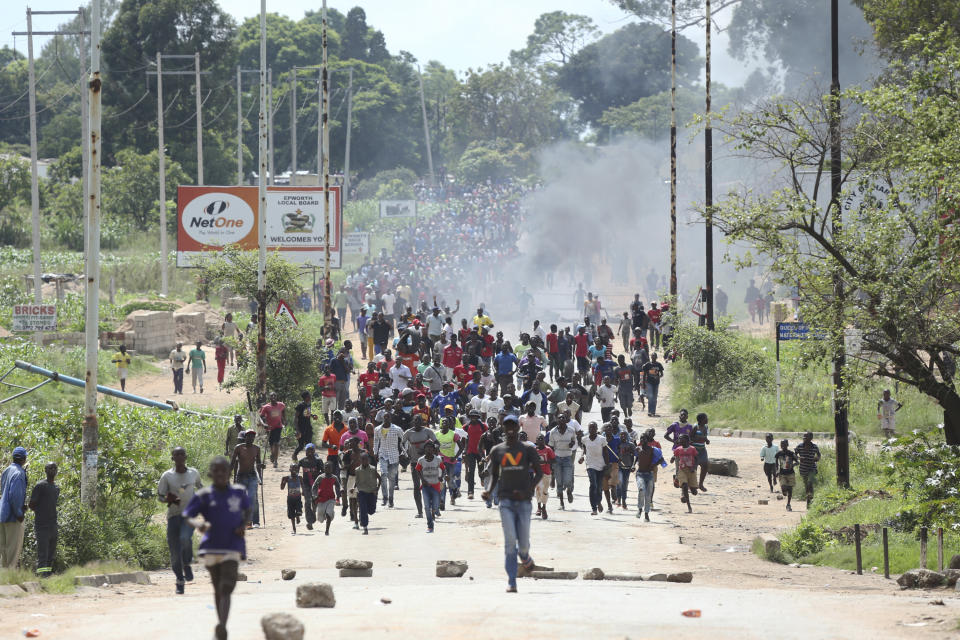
386	447
809	455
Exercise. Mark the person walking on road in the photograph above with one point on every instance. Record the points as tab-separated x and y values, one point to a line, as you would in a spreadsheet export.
515	469
808	455
309	468
13	498
415	440
177	359
564	441
271	417
246	465
594	448
429	472
648	457
302	422
368	484
547	456
768	455
652	373
699	439
176	489
226	513
197	362
122	360
386	450
786	461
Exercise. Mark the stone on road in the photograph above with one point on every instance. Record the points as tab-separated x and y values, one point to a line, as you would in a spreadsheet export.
451	568
288	574
281	626
315	595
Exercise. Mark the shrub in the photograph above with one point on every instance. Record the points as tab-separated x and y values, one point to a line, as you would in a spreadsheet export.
925	467
369	188
806	539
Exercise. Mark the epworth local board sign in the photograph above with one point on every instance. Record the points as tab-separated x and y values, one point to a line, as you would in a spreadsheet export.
211	218
34	317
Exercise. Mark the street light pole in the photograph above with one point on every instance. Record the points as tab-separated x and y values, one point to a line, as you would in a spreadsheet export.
325	141
673	150
261	386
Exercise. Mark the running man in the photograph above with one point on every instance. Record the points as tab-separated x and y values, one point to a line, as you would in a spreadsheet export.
515	470
768	455
271	417
176	489
786	461
246	466
226	511
648	457
808	455
594	448
686	459
547	457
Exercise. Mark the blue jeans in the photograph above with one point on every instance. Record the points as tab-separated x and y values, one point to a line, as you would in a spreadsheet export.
595	476
390	478
644	491
623	484
249	480
180	543
564	473
652	391
431	502
367	502
515	519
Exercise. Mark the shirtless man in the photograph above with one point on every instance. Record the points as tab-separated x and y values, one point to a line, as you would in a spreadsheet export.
246	466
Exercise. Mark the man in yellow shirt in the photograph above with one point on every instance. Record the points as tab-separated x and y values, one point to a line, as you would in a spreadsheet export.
482	320
122	360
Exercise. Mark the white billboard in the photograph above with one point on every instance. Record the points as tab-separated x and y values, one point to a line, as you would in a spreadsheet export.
356	242
398	208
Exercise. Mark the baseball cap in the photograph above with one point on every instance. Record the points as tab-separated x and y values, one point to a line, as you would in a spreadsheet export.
19	452
310	446
510	418
449	406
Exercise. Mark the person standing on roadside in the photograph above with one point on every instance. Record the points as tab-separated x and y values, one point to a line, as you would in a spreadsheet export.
768	455
271	416
177	359
226	514
43	503
808	455
515	470
246	465
887	409
13	497
122	360
198	361
176	489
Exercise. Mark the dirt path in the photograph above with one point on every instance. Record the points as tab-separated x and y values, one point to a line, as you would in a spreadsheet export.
159	386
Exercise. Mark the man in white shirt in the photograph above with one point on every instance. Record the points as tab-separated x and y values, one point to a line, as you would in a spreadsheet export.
399	376
476	402
886	412
569	405
594	447
607	395
565	442
388	300
434	325
492	406
540	332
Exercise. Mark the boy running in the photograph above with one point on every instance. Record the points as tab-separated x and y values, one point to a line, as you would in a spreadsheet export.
768	455
786	461
686	458
293	486
327	490
808	455
430	471
543	487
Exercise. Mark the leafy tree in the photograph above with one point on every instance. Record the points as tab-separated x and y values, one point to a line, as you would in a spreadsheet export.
130	188
556	37
896	243
894	20
493	161
624	66
650	116
238	270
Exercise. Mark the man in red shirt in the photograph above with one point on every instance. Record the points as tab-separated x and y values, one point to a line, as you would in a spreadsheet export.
547	456
653	330
686	458
582	341
553	351
271	416
367	382
472	455
328	394
486	352
452	357
463	373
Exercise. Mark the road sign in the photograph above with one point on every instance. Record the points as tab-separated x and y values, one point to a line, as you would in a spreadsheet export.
357	242
798	331
398	208
283	309
34	317
699	308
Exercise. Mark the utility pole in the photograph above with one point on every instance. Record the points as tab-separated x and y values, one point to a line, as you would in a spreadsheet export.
673	151
162	156
84	131
196	71
293	125
325	123
162	159
708	186
346	152
261	386
91	436
270	112
34	173
320	154
239	126
836	183
240	73
426	129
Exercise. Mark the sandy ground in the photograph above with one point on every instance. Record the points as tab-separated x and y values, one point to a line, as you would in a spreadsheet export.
739	595
159	386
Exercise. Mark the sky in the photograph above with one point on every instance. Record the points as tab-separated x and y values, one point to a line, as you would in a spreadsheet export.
461	34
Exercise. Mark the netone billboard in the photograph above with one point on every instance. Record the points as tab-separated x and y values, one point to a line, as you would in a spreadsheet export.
210	218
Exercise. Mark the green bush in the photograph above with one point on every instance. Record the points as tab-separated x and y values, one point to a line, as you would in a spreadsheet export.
147	305
134	446
722	361
369	188
808	538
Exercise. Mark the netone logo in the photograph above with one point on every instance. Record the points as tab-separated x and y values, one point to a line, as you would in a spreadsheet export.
217	219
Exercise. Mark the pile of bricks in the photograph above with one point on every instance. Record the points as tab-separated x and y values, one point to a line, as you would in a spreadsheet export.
155	331
191	326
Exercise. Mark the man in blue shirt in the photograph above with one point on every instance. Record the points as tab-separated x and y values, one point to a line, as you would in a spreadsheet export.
13	496
505	364
340	368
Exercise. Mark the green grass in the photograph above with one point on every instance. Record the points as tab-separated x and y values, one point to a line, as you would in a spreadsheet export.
806	394
904	552
64	582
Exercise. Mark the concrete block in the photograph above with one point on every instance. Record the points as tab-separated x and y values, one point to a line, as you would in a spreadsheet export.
356	573
771	544
554	575
11	590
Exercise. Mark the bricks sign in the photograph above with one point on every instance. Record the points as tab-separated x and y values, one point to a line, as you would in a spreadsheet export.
34	317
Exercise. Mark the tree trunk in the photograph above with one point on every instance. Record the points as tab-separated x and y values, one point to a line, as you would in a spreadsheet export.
951	418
